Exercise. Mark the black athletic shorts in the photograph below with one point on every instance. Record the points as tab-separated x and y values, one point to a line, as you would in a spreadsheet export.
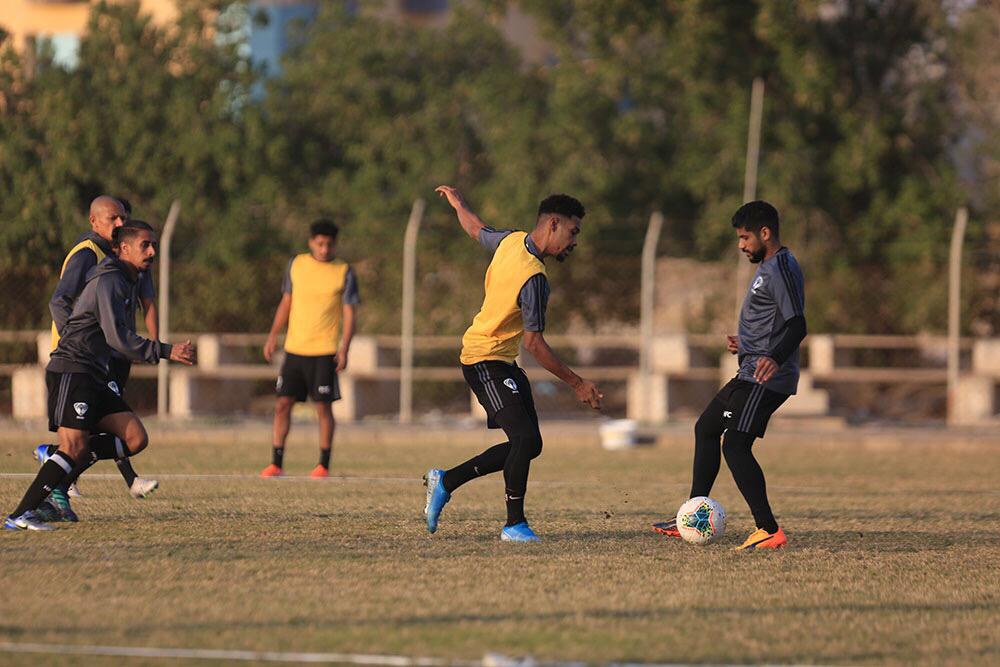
119	369
80	401
743	406
312	377
497	385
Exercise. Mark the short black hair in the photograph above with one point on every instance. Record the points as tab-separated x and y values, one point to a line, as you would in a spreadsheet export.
324	227
121	234
562	205
140	224
754	216
126	204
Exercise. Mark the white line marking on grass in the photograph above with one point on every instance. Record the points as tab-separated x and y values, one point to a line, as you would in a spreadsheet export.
489	660
222	654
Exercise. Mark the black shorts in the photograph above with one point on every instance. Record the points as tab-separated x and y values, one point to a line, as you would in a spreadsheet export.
312	377
79	401
497	385
119	369
743	406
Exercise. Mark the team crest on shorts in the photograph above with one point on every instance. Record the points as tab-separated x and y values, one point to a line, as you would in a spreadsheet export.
81	409
325	389
113	386
277	385
510	384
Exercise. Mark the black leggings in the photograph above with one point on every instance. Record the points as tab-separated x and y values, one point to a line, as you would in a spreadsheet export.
737	448
524	442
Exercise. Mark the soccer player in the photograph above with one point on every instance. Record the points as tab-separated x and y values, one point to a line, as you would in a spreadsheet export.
772	325
106	214
517	293
81	399
318	305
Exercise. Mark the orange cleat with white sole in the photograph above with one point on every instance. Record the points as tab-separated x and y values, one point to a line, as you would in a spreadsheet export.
319	472
272	471
761	539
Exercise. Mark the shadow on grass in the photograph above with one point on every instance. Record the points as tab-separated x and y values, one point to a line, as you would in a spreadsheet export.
660	614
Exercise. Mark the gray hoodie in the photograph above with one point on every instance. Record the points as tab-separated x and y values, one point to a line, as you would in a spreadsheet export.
103	319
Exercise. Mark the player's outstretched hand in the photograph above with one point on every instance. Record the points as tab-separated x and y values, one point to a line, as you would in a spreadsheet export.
453	196
732	344
766	368
588	393
183	353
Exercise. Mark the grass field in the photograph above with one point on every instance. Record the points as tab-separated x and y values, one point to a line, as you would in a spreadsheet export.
893	556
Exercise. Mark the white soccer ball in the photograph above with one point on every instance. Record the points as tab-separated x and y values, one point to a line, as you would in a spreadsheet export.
701	520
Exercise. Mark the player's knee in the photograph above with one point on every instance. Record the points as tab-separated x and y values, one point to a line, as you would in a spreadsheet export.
533	445
283	407
707	427
736	444
136	443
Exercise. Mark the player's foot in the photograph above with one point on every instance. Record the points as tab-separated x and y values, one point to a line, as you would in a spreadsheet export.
761	539
319	472
41	453
142	487
437	497
27	521
668	528
519	532
60	501
74	491
47	512
272	471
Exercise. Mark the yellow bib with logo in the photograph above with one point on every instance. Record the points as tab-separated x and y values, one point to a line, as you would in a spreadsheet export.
497	329
87	244
317	306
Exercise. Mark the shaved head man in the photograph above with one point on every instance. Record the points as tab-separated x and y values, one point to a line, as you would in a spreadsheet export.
106	213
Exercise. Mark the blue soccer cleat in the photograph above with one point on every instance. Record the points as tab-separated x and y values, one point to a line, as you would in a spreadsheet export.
437	497
41	453
519	532
60	501
27	521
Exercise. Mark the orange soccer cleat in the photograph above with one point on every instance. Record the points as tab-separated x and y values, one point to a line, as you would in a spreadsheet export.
668	528
761	539
319	472
272	471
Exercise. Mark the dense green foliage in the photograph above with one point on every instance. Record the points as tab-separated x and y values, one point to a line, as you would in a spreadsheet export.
642	107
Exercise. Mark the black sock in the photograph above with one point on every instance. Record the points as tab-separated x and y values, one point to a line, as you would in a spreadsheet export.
486	463
51	474
521	428
78	470
128	472
515	507
324	457
277	456
749	477
106	446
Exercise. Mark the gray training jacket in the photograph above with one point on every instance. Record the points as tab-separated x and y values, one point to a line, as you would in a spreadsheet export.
103	319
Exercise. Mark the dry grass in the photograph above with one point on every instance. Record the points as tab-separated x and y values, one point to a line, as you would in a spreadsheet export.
893	557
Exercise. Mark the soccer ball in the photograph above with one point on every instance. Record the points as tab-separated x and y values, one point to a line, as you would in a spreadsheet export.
701	520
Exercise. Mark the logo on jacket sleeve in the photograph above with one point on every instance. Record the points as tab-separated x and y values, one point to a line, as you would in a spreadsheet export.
757	282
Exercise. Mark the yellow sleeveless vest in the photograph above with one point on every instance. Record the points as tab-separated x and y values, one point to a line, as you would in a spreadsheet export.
75	249
317	306
497	329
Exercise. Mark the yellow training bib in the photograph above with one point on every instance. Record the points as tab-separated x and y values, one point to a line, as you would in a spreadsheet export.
497	329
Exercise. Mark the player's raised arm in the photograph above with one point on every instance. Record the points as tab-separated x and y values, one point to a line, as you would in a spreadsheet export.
586	391
471	222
